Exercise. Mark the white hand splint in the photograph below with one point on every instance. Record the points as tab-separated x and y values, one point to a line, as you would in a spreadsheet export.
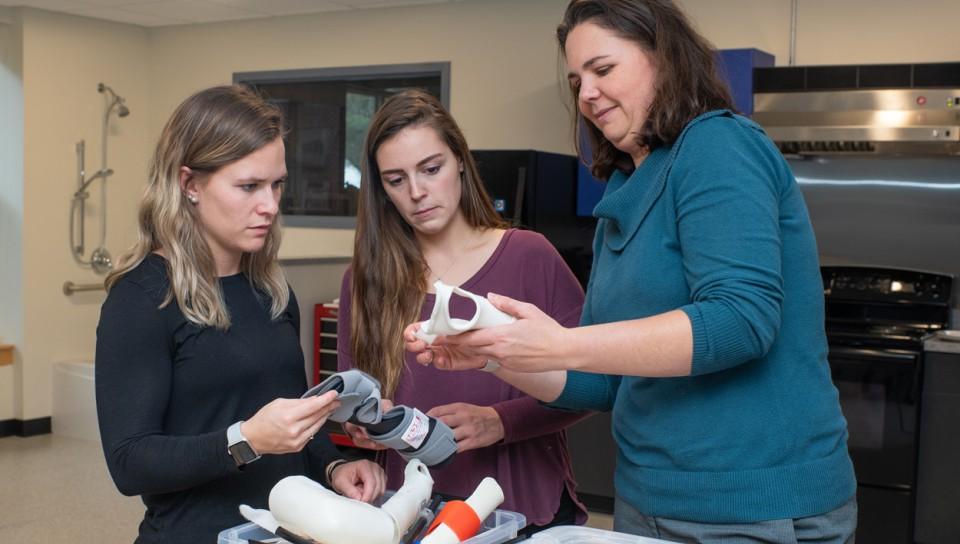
440	322
300	506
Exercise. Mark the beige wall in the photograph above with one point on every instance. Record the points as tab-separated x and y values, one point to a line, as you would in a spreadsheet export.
313	284
63	60
834	31
505	93
504	87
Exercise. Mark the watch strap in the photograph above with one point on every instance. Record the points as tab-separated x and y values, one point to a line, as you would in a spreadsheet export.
238	447
331	467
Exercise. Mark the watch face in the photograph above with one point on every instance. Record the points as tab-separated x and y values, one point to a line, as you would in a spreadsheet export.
242	453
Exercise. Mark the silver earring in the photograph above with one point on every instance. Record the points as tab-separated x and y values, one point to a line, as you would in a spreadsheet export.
193	199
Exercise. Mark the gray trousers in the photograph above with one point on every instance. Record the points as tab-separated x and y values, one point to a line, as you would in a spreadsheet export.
834	527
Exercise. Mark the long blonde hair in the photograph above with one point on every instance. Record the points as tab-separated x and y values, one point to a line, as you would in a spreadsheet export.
209	130
389	271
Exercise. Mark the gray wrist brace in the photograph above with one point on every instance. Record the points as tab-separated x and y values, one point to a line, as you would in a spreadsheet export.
413	434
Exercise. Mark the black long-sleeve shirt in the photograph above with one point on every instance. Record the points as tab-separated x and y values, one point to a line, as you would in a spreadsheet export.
167	390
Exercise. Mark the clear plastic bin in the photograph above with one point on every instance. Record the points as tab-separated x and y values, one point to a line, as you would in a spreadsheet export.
500	526
572	534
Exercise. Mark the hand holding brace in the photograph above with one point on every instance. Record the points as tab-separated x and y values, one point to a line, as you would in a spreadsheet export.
413	434
440	322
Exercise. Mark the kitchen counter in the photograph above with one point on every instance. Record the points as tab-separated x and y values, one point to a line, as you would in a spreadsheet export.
938	472
943	342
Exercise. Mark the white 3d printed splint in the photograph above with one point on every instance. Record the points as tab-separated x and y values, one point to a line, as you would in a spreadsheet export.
302	509
440	322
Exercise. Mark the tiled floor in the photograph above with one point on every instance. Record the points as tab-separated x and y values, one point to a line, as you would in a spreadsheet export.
55	489
600	521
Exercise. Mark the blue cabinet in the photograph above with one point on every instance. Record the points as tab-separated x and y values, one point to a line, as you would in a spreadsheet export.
736	65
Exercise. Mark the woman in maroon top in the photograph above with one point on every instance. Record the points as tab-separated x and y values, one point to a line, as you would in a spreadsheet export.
424	216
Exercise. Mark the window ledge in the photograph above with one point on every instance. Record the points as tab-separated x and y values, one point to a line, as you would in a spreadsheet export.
312	246
330	259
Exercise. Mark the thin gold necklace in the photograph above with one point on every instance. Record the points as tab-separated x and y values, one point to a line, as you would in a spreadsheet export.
439	277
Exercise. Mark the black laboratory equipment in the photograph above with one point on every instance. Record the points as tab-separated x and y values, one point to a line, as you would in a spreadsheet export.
537	190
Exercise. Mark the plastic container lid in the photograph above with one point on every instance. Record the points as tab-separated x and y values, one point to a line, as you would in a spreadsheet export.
572	534
500	526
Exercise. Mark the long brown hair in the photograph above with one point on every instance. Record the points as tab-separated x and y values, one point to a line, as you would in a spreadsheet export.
209	130
389	271
688	83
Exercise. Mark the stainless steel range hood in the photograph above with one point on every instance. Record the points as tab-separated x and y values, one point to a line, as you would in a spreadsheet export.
874	109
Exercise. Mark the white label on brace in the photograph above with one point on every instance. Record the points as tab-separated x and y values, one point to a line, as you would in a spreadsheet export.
417	431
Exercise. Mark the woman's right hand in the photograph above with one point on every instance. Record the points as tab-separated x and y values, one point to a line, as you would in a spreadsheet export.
359	435
286	425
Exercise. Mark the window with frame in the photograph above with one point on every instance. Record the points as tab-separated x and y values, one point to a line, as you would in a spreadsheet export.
327	112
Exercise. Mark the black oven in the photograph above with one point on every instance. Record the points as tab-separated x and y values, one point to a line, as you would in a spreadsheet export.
875	322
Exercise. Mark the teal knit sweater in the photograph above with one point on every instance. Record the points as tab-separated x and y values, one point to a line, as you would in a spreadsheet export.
715	225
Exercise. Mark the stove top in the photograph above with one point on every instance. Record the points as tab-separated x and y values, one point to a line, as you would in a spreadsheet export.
884	308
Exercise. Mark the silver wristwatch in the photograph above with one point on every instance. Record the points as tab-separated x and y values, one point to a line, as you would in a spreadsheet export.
238	447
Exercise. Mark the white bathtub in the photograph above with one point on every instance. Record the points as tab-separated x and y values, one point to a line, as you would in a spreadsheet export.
74	401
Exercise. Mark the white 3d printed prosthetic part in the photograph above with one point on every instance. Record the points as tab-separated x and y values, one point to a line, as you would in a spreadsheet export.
300	506
454	525
440	322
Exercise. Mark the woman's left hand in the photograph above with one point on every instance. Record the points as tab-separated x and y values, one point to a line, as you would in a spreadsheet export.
360	480
535	342
359	434
428	354
473	426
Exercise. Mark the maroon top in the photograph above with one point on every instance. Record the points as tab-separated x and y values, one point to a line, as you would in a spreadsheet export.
531	463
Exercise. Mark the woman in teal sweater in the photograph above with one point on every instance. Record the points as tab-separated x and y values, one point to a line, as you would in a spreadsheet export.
703	324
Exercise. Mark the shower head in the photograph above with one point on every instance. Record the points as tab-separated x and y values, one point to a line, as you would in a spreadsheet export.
115	101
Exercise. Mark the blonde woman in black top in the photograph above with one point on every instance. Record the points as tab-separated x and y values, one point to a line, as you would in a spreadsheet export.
198	366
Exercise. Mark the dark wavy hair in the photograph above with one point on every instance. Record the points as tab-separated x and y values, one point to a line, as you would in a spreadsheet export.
688	83
388	271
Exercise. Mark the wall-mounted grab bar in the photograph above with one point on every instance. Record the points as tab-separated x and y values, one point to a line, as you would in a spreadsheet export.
97	175
70	288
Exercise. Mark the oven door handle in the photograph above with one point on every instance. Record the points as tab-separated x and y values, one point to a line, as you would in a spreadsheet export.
893	356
